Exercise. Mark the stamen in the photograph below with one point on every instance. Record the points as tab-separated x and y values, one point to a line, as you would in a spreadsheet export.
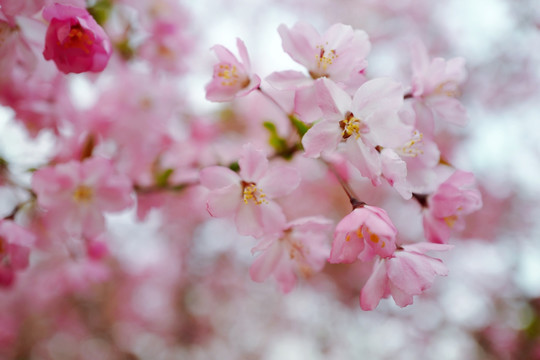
411	148
251	192
83	194
352	126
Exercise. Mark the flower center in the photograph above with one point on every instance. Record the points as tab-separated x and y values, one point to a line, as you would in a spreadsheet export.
411	148
352	126
325	58
230	76
448	88
83	194
78	39
252	192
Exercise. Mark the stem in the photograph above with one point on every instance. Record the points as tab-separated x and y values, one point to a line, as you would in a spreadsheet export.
350	193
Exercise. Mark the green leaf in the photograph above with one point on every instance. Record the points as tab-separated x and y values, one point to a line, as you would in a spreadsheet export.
101	10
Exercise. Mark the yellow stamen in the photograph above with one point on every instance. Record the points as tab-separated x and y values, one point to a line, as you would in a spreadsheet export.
352	126
325	58
411	148
251	192
450	220
83	194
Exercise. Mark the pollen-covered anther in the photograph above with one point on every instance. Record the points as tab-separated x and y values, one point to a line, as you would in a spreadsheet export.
448	88
450	220
325	58
352	126
412	147
229	74
252	192
77	38
83	194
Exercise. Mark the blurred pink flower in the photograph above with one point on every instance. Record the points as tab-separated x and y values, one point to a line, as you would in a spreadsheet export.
446	207
300	249
406	273
367	231
248	195
74	41
15	244
76	194
436	85
232	78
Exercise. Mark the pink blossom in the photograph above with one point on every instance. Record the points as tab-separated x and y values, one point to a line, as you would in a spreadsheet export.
166	47
15	244
367	231
74	41
366	123
340	53
232	78
300	249
77	194
406	273
436	85
446	207
247	196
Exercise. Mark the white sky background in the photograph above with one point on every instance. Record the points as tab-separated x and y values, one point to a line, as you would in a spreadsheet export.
505	142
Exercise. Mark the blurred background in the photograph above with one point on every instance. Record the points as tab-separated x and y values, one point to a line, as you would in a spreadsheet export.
487	308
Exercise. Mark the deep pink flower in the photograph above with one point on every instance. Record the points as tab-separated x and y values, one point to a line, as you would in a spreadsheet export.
77	194
15	244
247	196
299	250
407	273
74	41
232	78
367	231
453	199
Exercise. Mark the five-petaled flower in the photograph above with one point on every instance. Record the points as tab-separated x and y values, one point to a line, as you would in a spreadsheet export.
232	78
248	195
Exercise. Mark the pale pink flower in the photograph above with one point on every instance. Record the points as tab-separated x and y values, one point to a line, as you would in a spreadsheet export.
436	85
248	196
366	123
340	53
74	41
15	244
299	250
77	194
407	273
167	47
232	78
446	207
367	231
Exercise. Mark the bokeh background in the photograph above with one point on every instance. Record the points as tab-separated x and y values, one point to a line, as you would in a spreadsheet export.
487	308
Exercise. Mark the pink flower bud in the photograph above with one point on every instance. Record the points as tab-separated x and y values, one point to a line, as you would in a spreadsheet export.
74	40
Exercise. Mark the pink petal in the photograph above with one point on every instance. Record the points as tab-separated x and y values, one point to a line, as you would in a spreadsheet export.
333	101
375	287
225	201
253	163
377	95
266	263
279	181
216	177
323	136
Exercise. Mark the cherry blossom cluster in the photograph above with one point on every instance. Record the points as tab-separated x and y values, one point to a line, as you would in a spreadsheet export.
302	154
